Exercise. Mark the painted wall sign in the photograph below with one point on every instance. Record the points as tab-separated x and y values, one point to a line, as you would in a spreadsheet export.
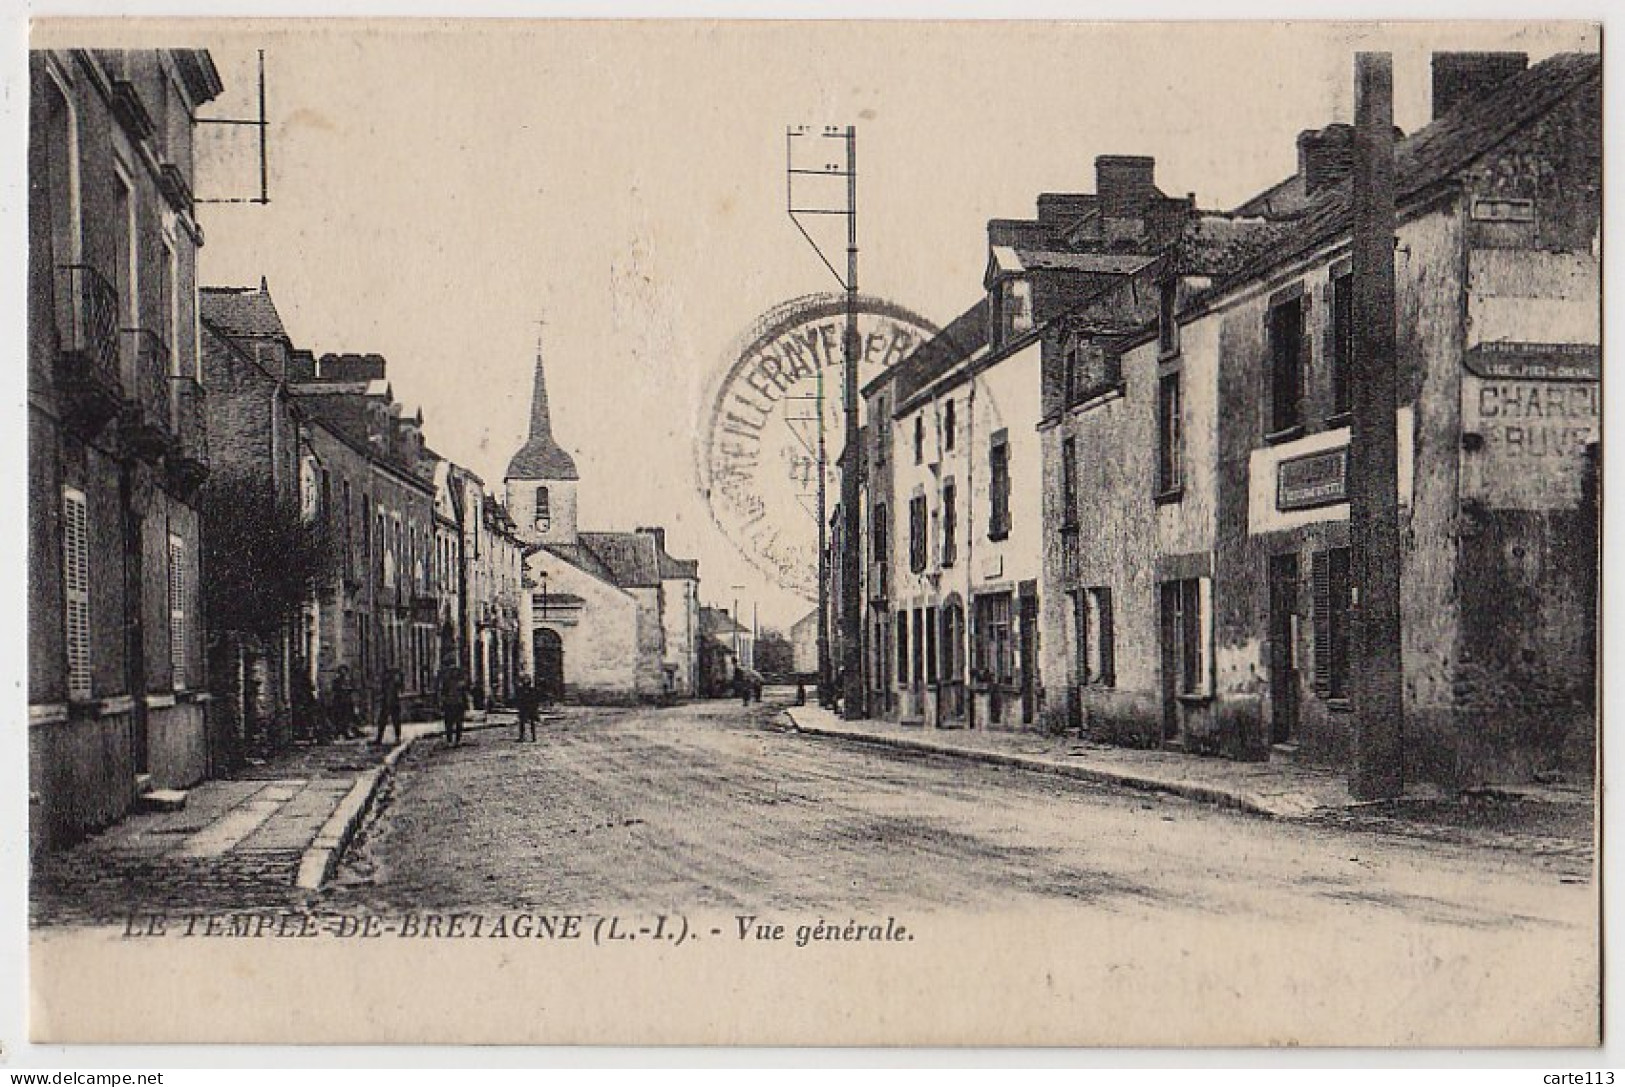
1316	479
1531	440
1536	361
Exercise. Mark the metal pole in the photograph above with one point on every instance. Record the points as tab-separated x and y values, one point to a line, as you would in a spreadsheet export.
825	684
851	546
265	190
1376	666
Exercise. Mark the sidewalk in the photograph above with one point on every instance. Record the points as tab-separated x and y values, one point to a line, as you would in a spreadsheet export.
258	839
1539	818
1277	789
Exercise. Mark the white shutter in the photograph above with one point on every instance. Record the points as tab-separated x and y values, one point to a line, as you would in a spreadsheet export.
76	583
177	611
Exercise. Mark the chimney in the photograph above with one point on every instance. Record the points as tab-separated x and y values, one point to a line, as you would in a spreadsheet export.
1325	156
1125	184
1461	77
1060	208
658	533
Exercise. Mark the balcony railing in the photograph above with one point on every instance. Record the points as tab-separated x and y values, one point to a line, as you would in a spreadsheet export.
147	426
189	458
88	366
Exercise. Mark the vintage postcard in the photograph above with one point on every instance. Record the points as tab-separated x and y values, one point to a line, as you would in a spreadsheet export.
814	533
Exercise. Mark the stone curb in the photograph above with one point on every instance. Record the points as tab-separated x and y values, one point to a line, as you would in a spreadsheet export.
1206	794
322	856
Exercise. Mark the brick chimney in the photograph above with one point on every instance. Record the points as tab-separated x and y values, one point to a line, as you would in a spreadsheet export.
1325	156
1125	184
1460	77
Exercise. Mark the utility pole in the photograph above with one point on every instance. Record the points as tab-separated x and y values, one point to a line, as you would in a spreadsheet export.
851	546
1376	675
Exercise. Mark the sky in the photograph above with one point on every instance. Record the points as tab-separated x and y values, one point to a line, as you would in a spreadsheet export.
437	188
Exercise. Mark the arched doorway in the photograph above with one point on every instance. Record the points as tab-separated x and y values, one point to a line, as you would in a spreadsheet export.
549	664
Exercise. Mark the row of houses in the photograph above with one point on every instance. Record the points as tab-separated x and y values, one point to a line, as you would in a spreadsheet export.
222	523
1113	494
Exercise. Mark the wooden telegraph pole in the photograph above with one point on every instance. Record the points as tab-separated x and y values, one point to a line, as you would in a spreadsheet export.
1375	666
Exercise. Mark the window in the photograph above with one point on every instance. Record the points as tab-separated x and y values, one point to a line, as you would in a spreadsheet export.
1069	482
1069	372
919	439
950	425
882	430
349	532
169	298
177	612
1342	344
1097	643
919	644
931	661
950	519
1167	322
995	658
1333	604
1187	632
544	512
902	649
998	525
879	552
916	533
1286	364
1019	308
126	243
1170	436
76	583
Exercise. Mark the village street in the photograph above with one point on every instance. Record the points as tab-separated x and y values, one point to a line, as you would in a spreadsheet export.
710	805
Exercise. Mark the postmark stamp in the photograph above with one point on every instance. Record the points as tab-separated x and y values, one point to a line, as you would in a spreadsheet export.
757	443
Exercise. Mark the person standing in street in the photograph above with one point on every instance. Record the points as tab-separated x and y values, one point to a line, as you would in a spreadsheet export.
528	701
389	705
453	703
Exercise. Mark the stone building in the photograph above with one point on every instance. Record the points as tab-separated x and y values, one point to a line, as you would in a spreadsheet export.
116	442
259	445
956	533
597	626
375	482
1197	506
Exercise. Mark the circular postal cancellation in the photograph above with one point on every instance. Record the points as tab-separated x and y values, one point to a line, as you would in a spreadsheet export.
757	444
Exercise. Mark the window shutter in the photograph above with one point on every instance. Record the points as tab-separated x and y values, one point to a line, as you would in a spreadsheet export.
177	612
1267	370
1321	573
76	585
1080	625
1306	351
1108	642
1204	644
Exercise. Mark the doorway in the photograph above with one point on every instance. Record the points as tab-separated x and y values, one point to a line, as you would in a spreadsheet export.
1283	648
549	664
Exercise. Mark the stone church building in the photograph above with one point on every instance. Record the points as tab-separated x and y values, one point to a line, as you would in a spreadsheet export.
610	616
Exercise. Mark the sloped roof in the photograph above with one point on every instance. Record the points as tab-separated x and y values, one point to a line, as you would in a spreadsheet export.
1435	153
242	311
964	336
675	569
582	559
1104	263
541	457
630	556
718	621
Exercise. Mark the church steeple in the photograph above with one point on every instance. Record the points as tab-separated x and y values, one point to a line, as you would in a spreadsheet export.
541	457
541	478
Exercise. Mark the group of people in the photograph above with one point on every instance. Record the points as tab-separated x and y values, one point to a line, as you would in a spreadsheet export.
340	716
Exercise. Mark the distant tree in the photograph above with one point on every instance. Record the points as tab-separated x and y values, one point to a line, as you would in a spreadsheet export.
261	560
774	653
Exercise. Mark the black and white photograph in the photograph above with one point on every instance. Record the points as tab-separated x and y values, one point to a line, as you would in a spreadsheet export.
813	533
